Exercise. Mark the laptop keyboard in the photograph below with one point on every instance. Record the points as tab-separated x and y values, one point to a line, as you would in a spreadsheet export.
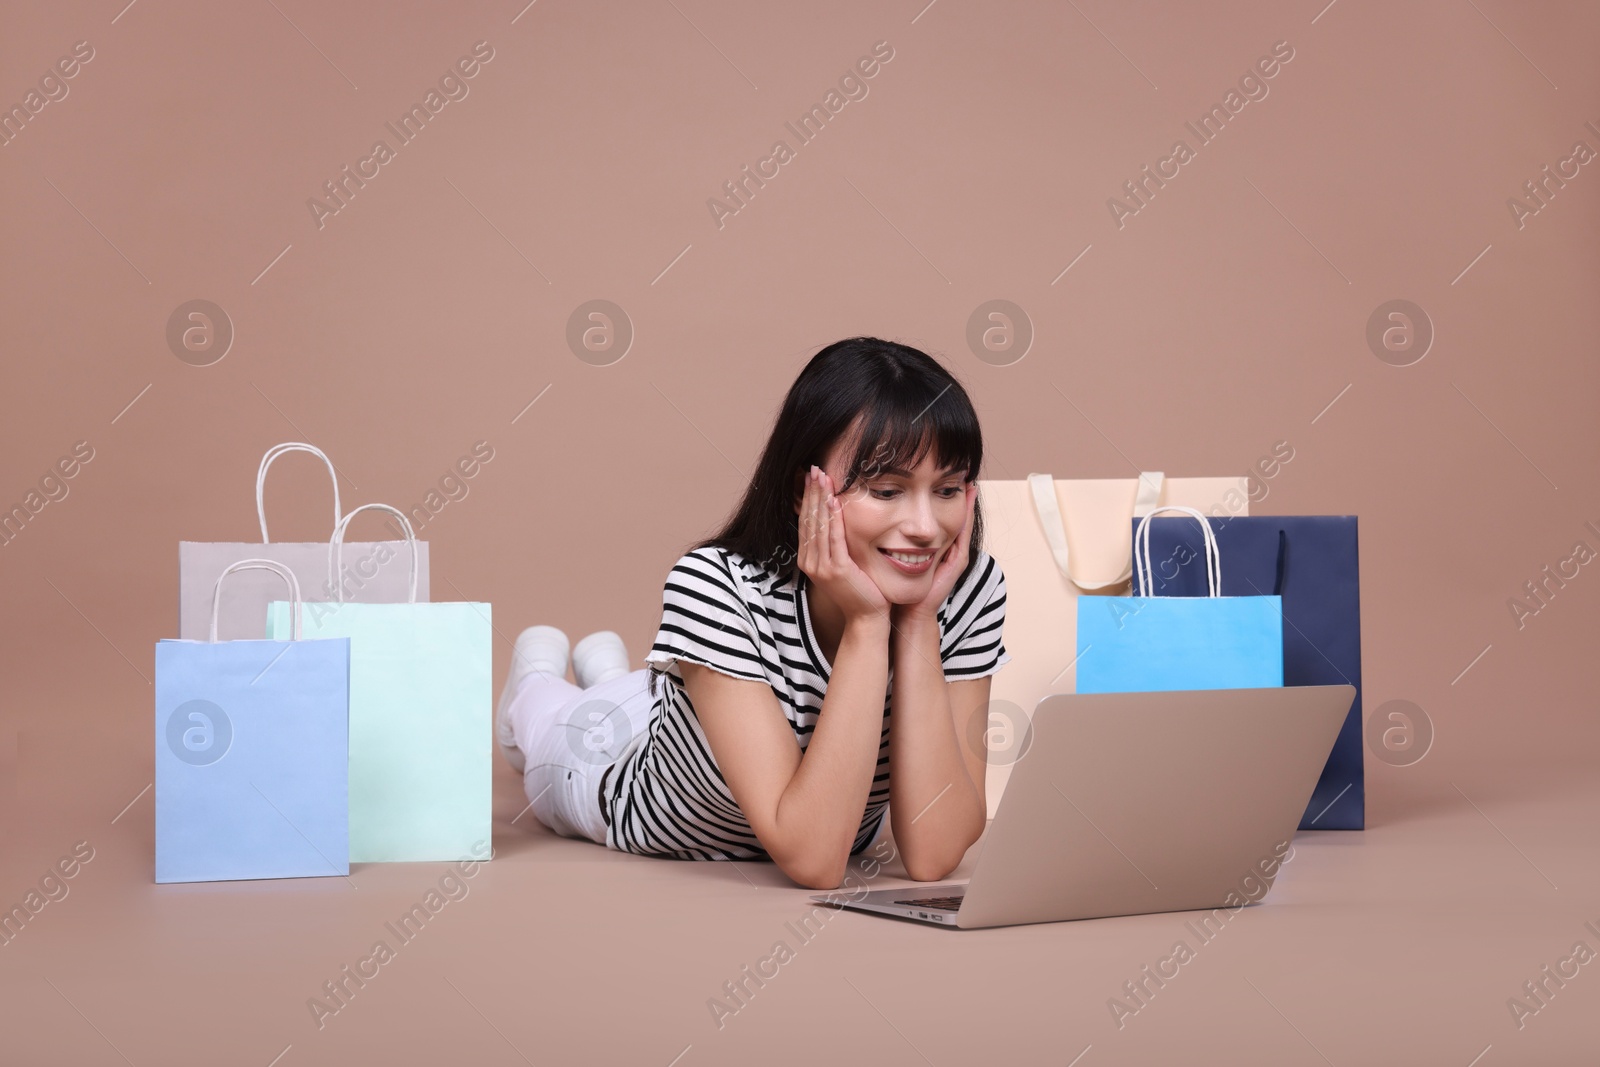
936	903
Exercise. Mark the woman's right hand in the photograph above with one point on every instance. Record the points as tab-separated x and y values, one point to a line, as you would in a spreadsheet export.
825	557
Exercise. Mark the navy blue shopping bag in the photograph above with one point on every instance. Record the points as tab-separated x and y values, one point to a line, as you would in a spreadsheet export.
1311	562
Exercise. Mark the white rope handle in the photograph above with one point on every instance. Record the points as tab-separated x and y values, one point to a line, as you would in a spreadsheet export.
1141	551
261	479
1055	529
336	548
260	565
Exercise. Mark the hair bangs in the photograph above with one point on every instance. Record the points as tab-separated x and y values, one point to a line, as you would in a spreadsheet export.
902	426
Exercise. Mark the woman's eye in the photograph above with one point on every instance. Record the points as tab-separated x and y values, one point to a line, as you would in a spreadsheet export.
949	492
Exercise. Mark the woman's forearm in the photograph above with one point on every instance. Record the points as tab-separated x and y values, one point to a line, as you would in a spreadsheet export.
935	807
820	810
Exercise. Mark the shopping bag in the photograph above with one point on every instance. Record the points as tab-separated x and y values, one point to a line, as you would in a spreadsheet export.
1312	563
1155	643
1056	540
375	572
420	719
252	752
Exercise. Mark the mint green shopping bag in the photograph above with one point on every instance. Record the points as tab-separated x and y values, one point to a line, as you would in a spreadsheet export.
420	718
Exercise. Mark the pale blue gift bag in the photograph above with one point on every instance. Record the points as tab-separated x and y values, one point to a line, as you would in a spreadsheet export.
421	755
252	753
1155	643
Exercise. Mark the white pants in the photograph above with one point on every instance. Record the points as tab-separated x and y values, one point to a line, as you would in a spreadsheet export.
569	737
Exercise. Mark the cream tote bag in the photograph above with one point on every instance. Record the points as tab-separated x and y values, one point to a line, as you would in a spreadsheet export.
376	572
1056	540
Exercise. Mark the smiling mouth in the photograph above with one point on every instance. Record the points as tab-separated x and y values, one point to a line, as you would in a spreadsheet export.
910	562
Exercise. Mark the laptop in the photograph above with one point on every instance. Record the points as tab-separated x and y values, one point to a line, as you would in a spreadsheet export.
1129	803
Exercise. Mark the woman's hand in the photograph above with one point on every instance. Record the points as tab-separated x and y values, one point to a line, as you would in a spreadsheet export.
824	556
950	566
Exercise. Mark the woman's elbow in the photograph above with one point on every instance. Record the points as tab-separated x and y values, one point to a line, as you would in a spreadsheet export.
818	874
919	872
927	868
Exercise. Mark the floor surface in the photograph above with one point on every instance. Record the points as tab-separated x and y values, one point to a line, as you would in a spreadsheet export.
1408	943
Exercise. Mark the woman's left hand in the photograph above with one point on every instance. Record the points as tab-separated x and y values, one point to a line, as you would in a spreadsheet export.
949	568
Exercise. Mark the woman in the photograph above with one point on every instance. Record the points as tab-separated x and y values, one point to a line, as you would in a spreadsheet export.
849	589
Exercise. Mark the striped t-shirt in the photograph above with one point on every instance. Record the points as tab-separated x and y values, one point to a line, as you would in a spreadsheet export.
666	795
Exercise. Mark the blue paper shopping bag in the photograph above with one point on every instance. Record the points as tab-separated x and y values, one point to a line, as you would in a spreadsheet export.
1311	562
1153	643
252	753
421	756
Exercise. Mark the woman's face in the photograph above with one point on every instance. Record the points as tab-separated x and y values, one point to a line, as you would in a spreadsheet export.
913	513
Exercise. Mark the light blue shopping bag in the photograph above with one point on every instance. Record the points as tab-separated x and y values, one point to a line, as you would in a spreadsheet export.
1154	643
252	753
421	756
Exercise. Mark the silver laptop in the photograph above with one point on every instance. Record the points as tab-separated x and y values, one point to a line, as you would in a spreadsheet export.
1127	803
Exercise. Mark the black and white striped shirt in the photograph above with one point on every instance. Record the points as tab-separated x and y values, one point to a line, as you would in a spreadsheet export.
666	795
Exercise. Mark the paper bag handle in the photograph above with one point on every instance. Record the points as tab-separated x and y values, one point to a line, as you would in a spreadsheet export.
336	548
1141	551
1055	530
261	479
260	565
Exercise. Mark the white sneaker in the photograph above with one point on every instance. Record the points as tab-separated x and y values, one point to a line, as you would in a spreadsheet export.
538	648
598	658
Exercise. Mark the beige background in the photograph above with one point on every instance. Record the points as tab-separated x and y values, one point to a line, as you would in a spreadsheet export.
424	317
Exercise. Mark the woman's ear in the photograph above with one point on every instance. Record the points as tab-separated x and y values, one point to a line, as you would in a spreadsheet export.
799	490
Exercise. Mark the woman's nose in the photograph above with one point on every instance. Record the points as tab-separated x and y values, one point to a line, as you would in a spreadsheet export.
918	521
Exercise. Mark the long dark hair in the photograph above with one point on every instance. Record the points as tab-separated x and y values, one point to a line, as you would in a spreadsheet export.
906	400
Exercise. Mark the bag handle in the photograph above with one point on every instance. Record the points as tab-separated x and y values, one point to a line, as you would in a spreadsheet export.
261	479
336	548
1141	551
260	565
1055	529
1283	552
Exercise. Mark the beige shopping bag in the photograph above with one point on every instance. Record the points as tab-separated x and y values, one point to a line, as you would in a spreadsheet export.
1057	540
377	571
